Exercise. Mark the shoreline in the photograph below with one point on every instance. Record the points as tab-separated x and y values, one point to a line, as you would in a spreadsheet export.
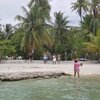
37	69
16	76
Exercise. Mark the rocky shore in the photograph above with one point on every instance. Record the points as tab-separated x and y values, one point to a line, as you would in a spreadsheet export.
12	76
15	70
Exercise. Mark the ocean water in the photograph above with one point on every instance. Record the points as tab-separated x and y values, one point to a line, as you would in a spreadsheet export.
63	88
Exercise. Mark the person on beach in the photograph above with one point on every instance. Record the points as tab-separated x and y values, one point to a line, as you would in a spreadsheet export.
30	57
77	68
54	59
58	58
45	58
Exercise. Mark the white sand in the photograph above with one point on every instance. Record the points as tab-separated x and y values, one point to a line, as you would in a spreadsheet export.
39	66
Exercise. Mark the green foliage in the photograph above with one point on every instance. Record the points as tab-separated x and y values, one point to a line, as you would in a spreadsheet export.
34	25
80	6
16	40
6	48
94	45
2	36
34	34
60	49
85	24
61	25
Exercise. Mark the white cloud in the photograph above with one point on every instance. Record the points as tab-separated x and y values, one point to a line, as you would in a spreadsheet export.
10	8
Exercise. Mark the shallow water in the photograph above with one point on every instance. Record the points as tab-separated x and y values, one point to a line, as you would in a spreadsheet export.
63	88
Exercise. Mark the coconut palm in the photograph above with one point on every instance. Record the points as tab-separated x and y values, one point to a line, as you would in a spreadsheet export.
80	6
60	32
30	40
85	26
44	7
94	7
34	26
60	25
8	30
90	24
94	11
93	46
94	25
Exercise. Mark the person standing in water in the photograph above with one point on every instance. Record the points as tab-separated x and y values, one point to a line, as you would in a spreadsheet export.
77	68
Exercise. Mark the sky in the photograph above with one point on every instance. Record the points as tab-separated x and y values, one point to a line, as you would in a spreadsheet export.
10	8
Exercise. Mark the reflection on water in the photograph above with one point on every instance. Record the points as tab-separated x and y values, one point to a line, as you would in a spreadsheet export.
63	88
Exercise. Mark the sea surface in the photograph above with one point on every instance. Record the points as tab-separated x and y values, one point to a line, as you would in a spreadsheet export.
63	88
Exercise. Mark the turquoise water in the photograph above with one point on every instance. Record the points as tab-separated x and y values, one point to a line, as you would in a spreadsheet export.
63	88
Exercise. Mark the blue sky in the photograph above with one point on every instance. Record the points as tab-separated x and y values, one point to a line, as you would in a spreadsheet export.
10	8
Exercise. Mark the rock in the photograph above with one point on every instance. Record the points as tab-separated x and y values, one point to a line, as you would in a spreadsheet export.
15	76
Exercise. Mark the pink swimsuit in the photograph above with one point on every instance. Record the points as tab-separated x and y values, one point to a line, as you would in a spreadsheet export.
76	67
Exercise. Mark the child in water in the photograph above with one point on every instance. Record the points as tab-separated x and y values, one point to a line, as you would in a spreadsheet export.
77	68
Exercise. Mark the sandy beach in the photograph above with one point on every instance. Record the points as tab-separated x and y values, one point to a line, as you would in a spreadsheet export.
25	69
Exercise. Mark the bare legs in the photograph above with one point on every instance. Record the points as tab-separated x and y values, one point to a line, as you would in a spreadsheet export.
77	74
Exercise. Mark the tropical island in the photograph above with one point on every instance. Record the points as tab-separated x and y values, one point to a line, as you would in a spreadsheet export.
36	34
38	55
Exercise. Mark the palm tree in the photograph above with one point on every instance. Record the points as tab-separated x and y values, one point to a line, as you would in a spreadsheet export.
90	24
94	25
94	7
8	30
34	26
93	46
80	6
44	7
37	2
30	40
85	26
60	32
60	25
